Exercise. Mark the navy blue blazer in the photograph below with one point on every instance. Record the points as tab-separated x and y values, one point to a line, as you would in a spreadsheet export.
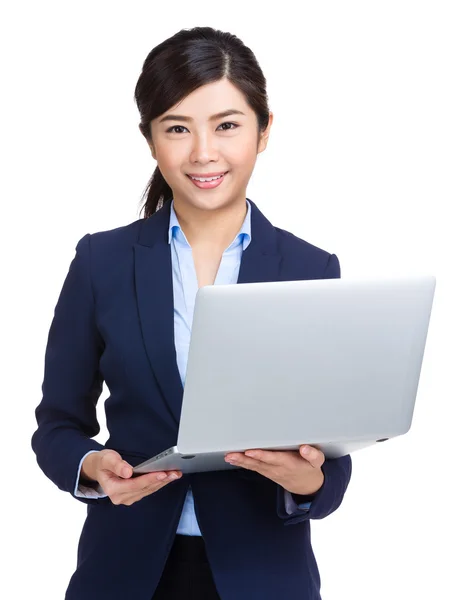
113	322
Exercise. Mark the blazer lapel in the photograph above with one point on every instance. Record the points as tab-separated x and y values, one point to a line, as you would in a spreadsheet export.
154	289
261	259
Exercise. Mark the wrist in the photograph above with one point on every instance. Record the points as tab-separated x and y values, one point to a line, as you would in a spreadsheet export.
302	498
88	468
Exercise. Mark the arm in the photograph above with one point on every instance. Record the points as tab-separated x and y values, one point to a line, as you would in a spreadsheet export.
66	415
337	472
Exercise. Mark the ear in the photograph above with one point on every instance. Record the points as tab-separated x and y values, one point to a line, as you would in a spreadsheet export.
265	134
152	149
149	142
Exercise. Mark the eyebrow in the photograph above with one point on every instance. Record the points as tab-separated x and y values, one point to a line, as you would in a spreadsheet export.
225	113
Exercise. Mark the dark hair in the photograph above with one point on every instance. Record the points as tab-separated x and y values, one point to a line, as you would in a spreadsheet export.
178	66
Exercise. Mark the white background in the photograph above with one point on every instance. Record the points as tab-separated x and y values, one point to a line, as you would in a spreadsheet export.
367	158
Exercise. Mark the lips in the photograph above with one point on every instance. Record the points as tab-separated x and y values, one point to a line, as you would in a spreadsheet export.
208	185
202	175
208	175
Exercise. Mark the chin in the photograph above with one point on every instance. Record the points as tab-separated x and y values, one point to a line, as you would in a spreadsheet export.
207	201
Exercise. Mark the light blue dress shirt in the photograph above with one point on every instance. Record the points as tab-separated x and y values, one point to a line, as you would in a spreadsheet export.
185	288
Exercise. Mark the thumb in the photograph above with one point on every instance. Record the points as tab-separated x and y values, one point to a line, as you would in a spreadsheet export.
312	455
118	465
125	470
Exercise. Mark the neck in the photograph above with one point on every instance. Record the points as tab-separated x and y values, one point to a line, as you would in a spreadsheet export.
211	228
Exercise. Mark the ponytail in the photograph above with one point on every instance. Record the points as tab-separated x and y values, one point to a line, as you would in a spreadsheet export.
156	194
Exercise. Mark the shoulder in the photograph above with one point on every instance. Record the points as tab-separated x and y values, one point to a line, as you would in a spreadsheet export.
108	250
298	251
288	242
111	240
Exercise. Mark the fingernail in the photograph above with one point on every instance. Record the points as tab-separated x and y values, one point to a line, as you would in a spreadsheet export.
306	451
173	476
126	472
161	476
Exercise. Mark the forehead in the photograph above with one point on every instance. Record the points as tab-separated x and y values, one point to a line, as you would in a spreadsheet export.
209	100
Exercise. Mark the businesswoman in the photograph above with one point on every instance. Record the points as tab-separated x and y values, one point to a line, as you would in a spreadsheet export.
124	317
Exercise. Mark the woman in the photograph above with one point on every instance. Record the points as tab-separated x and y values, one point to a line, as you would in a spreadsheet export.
124	316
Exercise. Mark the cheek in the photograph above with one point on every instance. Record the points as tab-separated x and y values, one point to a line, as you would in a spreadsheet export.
241	157
169	158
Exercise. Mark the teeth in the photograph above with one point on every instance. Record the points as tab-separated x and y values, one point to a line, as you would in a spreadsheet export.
206	178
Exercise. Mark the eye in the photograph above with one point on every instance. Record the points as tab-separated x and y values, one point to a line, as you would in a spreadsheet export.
227	123
172	129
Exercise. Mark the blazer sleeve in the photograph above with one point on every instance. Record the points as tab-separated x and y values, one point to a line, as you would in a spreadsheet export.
66	415
337	471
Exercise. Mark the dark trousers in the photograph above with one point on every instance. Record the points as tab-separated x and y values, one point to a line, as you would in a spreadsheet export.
187	574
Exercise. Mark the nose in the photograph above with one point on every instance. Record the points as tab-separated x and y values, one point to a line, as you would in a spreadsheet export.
204	149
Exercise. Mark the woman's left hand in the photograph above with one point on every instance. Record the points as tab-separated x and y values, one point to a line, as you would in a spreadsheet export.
297	472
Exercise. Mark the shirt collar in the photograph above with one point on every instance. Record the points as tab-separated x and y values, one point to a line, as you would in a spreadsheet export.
244	233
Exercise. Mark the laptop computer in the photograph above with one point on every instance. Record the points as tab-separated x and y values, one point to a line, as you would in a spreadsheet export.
334	363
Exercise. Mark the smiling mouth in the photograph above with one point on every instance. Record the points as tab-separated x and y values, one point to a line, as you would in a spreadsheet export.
213	178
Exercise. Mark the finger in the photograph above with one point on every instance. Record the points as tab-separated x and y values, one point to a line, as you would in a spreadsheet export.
270	457
241	460
116	485
136	484
314	456
129	498
277	458
144	490
150	487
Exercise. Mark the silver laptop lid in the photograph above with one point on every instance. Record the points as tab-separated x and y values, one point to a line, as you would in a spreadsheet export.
283	363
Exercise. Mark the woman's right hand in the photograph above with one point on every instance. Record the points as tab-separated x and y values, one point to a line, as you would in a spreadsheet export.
114	474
